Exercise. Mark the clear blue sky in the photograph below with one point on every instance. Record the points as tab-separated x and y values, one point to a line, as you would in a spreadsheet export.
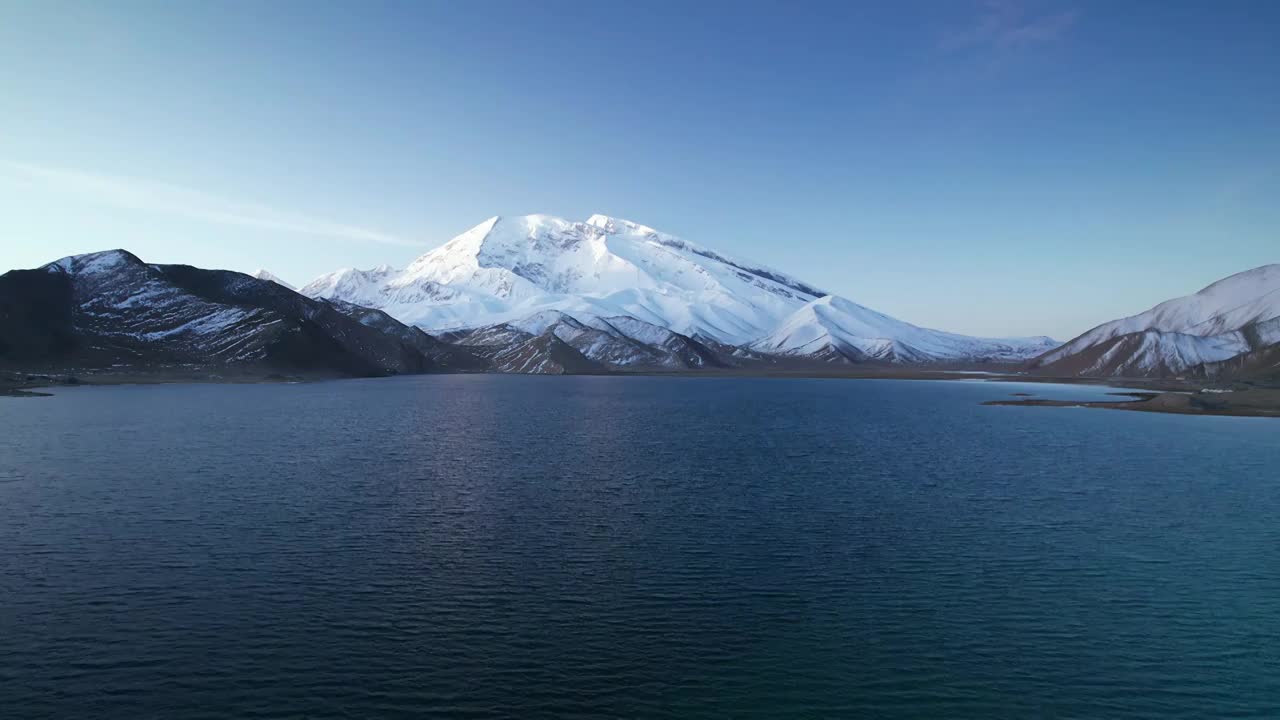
998	168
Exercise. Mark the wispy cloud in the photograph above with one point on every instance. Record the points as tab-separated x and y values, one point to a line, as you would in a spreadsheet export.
1003	24
150	196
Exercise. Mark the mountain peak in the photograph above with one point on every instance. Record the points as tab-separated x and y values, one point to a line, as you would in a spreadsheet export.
618	225
93	263
262	274
532	272
1212	325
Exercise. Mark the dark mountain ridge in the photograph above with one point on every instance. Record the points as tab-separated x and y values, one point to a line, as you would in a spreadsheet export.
110	310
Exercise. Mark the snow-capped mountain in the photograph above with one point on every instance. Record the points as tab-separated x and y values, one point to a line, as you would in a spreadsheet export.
509	272
270	277
837	329
1229	321
509	268
110	310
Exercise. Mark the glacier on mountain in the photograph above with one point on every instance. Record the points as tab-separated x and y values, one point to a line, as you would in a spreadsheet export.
511	271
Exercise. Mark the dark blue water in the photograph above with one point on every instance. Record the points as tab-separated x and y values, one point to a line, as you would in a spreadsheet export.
523	547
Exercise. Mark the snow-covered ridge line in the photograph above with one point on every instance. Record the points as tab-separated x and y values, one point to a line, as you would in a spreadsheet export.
609	224
1228	318
507	269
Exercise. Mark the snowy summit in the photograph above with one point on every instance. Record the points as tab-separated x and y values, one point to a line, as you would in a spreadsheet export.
509	269
269	277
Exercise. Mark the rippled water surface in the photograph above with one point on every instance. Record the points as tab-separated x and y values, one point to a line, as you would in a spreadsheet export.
487	546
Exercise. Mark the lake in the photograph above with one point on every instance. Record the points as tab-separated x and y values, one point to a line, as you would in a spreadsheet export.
537	547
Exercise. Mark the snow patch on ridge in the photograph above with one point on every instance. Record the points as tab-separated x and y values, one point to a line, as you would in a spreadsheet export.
269	277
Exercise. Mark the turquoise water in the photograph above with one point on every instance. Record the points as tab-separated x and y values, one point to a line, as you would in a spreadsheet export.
490	546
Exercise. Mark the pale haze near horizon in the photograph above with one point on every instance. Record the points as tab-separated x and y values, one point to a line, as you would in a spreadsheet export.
993	168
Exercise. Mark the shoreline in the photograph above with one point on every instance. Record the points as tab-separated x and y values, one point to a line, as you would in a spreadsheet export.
1243	403
1155	395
